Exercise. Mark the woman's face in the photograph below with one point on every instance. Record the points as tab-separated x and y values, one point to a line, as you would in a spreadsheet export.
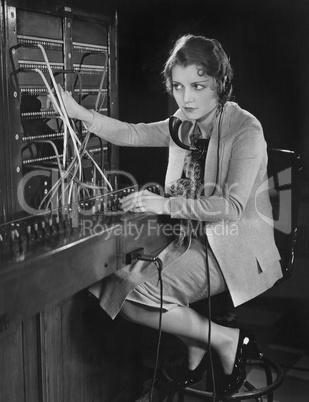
195	95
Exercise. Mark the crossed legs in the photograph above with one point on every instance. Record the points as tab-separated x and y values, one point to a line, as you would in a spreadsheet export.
192	328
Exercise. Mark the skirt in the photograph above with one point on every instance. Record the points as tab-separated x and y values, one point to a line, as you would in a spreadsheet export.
184	277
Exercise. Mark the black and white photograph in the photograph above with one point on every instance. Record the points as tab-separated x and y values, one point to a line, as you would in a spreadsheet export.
154	200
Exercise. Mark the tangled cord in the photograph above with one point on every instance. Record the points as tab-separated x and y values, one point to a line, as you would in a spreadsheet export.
72	172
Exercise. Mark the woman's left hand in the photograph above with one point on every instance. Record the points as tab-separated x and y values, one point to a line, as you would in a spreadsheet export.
146	201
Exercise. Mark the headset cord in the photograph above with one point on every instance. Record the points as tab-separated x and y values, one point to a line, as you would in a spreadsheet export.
158	262
209	350
206	244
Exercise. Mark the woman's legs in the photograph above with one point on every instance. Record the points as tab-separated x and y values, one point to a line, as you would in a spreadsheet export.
196	351
186	323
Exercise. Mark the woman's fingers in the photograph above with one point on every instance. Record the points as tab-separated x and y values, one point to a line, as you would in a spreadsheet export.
132	201
50	101
144	201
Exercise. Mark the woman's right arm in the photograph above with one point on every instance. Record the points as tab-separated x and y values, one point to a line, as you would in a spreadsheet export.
115	131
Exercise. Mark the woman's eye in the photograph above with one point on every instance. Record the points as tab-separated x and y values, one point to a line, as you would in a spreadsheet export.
176	86
198	87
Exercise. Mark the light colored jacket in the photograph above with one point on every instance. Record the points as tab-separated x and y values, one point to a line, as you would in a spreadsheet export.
235	203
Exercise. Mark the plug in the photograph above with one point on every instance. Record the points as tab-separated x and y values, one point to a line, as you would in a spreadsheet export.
138	254
134	255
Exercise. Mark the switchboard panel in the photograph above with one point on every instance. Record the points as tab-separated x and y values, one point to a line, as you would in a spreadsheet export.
40	50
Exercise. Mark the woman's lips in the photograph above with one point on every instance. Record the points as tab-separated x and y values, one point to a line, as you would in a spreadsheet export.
189	109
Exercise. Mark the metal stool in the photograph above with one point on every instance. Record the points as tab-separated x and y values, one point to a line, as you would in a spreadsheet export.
273	379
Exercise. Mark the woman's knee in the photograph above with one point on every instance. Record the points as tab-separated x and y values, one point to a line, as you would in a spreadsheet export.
138	313
130	312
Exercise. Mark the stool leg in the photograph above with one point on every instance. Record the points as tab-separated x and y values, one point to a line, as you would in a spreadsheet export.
250	387
269	380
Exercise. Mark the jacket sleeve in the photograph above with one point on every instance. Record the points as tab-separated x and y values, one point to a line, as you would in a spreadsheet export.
127	134
229	202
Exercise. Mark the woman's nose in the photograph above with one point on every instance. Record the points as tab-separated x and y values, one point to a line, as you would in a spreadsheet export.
187	96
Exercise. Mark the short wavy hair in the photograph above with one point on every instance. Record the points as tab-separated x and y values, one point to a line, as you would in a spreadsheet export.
206	53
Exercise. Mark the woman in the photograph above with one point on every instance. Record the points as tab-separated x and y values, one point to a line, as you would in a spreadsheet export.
219	195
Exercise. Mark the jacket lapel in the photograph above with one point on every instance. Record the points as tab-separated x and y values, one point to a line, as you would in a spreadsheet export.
175	163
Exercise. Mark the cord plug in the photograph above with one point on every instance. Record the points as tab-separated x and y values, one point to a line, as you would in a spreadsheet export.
138	254
134	255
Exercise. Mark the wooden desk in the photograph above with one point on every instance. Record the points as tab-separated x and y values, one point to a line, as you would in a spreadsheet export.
40	299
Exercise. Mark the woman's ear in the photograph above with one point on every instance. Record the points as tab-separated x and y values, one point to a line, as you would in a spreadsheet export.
214	85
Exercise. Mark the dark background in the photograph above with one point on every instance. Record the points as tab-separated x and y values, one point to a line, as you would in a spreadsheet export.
268	44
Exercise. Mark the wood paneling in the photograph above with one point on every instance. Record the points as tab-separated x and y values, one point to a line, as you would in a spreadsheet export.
12	367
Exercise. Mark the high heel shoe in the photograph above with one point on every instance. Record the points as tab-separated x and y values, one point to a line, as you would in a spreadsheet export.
186	377
247	347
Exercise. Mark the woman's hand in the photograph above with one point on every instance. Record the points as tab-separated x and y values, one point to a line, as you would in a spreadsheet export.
146	201
73	109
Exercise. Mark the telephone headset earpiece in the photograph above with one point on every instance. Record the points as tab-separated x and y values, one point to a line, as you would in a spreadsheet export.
201	145
224	83
225	80
226	87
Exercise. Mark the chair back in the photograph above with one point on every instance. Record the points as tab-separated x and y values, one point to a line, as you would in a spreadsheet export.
284	169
